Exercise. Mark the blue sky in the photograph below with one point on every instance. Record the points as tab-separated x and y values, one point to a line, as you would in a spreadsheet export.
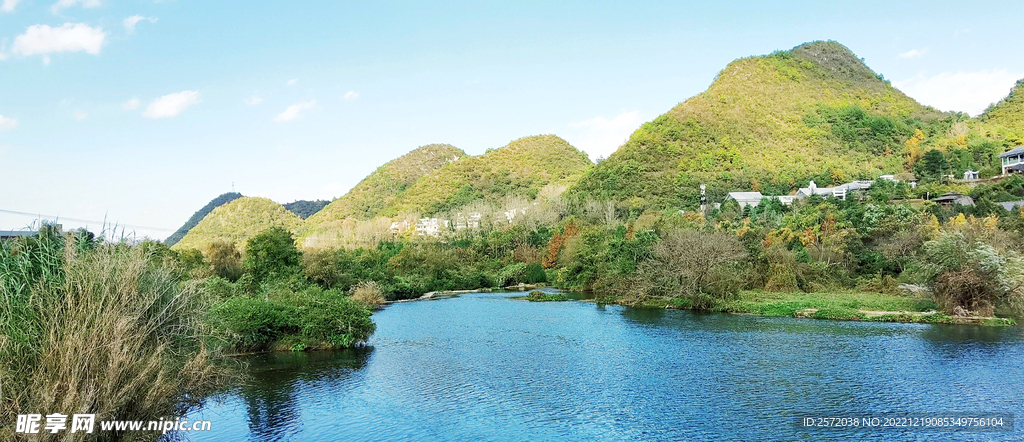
142	120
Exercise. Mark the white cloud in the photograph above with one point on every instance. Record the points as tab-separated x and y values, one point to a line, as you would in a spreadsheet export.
69	3
969	92
293	81
294	111
130	22
79	115
960	32
600	136
350	95
8	5
7	123
171	105
42	39
254	100
913	53
131	104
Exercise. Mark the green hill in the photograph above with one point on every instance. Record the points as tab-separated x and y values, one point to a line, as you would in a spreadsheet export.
768	123
199	215
520	168
238	221
385	185
1004	121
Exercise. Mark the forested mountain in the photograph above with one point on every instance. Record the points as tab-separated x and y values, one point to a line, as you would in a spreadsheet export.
199	215
380	189
771	123
238	221
304	208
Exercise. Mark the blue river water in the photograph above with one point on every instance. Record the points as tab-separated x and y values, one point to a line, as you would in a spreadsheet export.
484	366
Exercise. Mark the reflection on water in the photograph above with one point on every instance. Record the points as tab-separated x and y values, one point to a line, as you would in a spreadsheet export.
484	366
271	390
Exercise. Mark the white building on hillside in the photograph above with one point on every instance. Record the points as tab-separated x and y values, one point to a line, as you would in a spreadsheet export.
469	220
431	226
839	191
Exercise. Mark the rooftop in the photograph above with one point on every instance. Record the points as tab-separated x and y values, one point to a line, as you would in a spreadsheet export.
746	196
1017	151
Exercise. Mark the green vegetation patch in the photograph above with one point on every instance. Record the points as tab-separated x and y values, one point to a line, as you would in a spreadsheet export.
828	303
539	296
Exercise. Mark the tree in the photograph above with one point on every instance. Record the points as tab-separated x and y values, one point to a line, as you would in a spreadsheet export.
272	254
698	265
225	261
932	165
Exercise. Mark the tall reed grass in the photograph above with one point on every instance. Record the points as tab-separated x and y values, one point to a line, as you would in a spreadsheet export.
93	327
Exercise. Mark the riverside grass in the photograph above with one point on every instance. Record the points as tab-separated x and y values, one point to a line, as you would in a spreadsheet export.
90	327
843	306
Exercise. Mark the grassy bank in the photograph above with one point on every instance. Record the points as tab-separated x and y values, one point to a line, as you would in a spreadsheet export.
851	306
92	327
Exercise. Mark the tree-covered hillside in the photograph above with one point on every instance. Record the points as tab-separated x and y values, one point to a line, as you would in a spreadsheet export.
199	215
520	168
1004	121
380	189
771	123
238	221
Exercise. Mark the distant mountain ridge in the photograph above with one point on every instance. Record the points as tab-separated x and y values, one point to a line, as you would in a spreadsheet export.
768	123
305	208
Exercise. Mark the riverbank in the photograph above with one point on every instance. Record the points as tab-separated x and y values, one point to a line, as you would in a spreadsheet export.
875	307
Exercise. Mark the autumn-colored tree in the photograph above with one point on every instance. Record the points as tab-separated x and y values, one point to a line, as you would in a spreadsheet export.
557	243
913	147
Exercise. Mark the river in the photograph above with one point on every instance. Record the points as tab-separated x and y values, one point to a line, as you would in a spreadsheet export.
483	366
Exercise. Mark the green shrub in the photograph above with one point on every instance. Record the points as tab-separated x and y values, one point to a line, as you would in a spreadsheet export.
313	317
253	324
534	274
512	274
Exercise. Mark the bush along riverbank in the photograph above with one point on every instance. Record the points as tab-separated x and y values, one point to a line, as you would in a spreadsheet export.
140	332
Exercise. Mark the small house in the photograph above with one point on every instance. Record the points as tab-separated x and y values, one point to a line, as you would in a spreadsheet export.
745	199
1013	160
951	198
970	175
